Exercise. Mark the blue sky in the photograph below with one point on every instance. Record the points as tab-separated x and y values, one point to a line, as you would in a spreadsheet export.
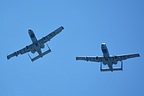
87	23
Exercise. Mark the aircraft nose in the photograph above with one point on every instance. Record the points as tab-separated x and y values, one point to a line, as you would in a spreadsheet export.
30	31
103	44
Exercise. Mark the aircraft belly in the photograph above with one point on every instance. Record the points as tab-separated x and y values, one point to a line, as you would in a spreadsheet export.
106	61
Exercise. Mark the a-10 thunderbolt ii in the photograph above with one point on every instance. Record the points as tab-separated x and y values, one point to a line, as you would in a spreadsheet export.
107	59
37	45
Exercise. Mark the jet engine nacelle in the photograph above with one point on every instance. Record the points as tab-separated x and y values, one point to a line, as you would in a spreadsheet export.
114	61
31	49
104	63
42	45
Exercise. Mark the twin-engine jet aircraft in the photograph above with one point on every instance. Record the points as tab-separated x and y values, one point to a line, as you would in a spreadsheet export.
36	45
107	59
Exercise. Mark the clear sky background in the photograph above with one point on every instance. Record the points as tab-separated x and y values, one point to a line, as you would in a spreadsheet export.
87	23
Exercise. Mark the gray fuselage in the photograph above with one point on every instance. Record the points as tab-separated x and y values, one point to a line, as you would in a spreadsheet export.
35	42
106	59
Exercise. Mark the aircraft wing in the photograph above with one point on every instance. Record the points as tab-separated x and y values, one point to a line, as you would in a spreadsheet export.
51	35
90	58
124	57
21	51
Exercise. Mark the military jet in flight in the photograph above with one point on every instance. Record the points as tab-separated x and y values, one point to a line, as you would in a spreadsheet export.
37	45
107	59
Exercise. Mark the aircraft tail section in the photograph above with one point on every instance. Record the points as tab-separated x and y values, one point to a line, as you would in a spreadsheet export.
111	69
114	69
39	56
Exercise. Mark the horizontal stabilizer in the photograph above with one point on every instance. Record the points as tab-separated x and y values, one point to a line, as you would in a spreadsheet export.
114	69
37	57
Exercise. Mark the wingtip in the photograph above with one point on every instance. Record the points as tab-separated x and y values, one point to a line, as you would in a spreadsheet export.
62	27
8	57
77	58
